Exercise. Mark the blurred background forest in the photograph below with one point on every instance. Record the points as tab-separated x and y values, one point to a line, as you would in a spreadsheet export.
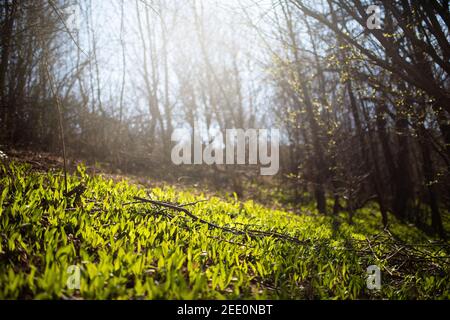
363	111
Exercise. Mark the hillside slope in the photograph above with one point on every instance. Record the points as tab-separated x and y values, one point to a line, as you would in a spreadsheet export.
182	247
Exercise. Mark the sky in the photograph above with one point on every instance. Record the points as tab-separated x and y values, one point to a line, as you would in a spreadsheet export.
224	24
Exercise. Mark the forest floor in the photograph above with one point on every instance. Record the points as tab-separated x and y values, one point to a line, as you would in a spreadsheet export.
136	238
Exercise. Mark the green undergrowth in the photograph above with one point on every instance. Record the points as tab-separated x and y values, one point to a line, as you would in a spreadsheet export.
132	250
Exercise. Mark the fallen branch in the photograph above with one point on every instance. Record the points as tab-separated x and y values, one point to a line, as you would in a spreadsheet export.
250	233
397	252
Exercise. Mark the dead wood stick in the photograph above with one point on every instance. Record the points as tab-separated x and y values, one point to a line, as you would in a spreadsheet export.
252	233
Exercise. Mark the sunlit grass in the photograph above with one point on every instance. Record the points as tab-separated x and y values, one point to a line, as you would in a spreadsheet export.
137	251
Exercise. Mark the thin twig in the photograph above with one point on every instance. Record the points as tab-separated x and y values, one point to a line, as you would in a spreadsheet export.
192	203
54	7
60	119
251	233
